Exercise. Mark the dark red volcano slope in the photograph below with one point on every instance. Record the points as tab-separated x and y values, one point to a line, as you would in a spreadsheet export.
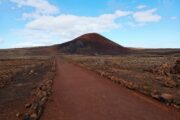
92	43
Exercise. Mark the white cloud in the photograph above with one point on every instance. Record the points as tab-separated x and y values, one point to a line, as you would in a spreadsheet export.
71	23
30	38
1	1
24	44
42	7
141	6
69	26
173	18
46	27
133	24
168	4
48	30
146	16
27	44
1	40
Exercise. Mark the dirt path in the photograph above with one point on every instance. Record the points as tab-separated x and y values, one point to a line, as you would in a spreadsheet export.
79	94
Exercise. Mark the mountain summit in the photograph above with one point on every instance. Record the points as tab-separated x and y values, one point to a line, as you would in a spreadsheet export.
92	43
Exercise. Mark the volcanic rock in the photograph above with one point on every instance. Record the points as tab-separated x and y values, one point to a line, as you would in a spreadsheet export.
92	44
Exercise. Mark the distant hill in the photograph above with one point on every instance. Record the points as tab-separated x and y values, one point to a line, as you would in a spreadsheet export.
31	51
92	43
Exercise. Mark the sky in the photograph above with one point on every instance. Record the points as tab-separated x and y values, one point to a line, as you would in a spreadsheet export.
131	23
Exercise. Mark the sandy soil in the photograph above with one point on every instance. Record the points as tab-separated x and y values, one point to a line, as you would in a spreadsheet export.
79	94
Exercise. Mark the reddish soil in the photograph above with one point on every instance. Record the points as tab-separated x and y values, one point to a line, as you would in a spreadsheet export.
79	94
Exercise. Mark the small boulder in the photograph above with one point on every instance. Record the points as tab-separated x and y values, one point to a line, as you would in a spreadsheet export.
18	114
43	101
167	98
155	94
34	106
170	83
44	93
31	72
34	116
28	105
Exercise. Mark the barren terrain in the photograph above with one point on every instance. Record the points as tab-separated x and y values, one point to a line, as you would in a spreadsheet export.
79	94
19	79
155	76
87	79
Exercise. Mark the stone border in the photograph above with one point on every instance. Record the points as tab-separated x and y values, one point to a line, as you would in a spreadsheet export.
41	96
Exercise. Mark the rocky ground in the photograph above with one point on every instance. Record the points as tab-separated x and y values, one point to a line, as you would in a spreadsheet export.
25	85
155	76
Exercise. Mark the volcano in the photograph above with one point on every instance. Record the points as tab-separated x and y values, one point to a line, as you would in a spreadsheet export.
87	44
92	44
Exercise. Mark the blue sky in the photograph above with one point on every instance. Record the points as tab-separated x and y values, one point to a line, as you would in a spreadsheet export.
132	23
